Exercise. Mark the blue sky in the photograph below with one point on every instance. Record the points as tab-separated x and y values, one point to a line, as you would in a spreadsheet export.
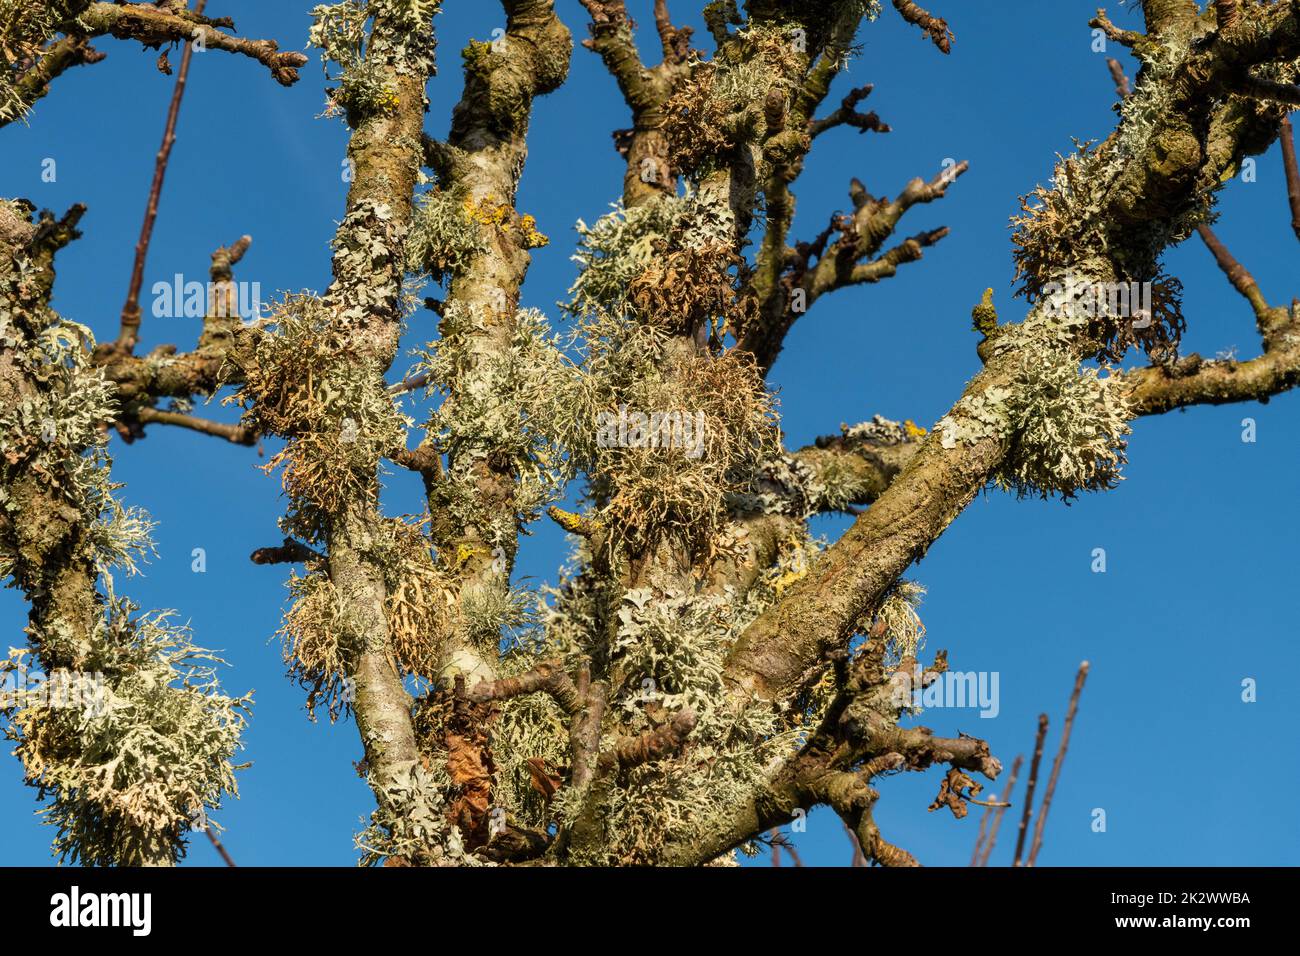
1200	538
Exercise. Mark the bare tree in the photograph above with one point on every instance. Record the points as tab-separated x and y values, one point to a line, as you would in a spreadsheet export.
704	672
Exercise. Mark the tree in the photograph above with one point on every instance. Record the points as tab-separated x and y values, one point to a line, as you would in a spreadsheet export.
706	670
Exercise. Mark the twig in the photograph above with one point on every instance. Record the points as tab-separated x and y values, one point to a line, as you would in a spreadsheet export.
219	845
1237	274
1261	89
1292	173
548	676
652	745
676	41
778	841
997	813
237	434
981	833
1056	764
291	552
1033	782
1122	87
1128	38
858	858
848	115
788	845
935	27
130	326
409	384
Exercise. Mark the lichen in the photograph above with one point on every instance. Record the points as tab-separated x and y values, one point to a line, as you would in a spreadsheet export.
127	778
1065	424
302	382
363	57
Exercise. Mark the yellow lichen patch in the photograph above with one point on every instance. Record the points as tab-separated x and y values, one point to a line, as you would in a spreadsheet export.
913	430
486	212
388	99
532	237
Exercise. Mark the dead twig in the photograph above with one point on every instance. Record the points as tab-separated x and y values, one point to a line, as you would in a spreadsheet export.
1056	764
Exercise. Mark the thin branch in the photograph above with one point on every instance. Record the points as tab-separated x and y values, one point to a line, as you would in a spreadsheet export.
1292	173
779	841
548	677
652	745
934	27
1128	38
982	832
1261	89
1194	381
1041	824
858	858
1122	86
611	37
130	321
848	115
676	41
1033	783
583	526
291	552
56	59
220	847
154	26
409	384
236	434
1237	274
998	813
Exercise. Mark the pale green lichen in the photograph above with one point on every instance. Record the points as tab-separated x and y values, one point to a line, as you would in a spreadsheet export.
520	404
1066	425
364	56
126	779
668	653
409	824
624	243
904	629
25	26
442	238
301	383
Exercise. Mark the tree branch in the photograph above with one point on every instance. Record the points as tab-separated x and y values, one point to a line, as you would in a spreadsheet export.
933	26
1292	173
154	26
1073	709
56	59
236	434
1029	793
548	678
129	332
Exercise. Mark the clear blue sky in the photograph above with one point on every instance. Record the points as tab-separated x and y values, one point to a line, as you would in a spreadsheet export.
1201	538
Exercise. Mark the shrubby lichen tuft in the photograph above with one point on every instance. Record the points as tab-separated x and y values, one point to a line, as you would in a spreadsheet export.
303	382
128	776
